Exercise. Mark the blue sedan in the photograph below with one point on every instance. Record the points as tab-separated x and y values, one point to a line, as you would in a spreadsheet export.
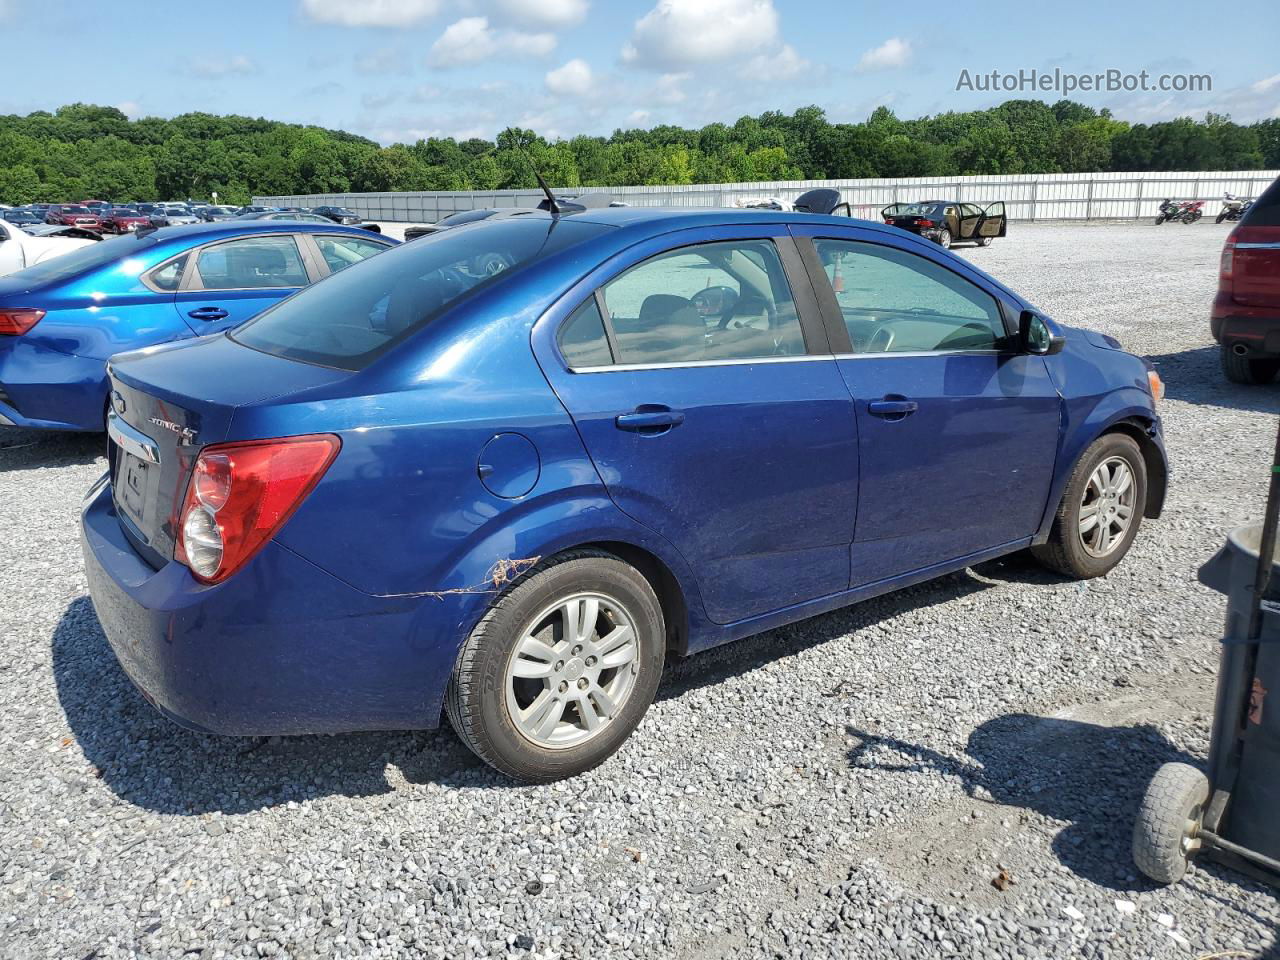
61	319
506	471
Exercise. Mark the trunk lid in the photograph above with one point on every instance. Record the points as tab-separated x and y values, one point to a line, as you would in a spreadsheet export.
169	402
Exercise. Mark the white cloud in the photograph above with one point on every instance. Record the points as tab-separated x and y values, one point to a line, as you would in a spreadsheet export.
129	108
784	64
638	118
574	79
223	67
894	52
471	40
1265	84
371	13
669	88
553	13
679	32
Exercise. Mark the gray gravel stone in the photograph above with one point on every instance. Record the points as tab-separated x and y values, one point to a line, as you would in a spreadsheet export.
847	786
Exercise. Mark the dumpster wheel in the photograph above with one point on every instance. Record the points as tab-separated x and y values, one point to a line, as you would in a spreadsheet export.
1165	835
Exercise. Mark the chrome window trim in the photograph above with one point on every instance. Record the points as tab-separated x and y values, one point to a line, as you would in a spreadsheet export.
131	440
677	365
927	353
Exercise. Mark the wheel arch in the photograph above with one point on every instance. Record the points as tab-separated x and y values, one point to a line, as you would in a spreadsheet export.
1140	431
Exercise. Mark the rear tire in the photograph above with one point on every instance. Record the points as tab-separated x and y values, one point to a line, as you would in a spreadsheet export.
1168	820
944	239
1248	370
487	694
1073	548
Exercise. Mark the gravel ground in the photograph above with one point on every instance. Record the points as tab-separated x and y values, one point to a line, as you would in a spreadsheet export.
847	786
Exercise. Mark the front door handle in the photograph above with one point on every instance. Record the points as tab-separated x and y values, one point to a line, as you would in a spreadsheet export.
650	419
892	408
207	313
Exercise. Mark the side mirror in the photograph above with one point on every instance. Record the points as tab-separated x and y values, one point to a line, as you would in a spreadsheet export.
1039	335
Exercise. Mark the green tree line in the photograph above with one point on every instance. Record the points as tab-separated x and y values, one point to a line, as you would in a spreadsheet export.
82	151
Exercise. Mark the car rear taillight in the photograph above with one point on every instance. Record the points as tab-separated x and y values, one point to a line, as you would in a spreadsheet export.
14	322
922	222
240	494
1228	255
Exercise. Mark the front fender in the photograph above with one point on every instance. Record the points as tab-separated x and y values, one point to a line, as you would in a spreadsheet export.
1085	419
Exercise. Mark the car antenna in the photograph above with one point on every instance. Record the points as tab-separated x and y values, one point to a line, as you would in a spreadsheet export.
552	206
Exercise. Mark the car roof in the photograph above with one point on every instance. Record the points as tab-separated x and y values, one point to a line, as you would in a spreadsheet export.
232	228
665	219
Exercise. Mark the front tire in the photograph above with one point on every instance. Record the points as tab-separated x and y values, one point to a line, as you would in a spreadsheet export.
1100	511
984	241
1248	370
1168	820
1220	218
561	669
1159	219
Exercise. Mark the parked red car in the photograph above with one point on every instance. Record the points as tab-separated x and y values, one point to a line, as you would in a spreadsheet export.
124	220
1246	312
73	215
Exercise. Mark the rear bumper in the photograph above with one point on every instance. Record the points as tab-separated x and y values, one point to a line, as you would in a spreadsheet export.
50	390
280	648
1256	329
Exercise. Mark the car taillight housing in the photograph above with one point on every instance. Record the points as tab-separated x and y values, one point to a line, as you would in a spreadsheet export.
925	223
240	494
15	321
1228	255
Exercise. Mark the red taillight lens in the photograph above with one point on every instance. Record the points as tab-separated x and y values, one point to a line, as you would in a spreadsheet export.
240	494
1228	255
925	223
14	323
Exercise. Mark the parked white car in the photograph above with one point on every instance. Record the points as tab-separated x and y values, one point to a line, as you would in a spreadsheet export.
19	250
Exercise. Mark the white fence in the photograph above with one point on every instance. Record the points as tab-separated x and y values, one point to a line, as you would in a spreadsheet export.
1037	196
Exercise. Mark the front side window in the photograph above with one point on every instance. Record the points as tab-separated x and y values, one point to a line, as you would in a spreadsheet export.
341	252
252	263
712	301
897	302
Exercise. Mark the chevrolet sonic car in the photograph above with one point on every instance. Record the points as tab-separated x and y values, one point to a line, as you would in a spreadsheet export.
429	486
1245	319
62	318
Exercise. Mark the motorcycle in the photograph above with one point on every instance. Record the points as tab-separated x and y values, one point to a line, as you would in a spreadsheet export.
1233	208
1191	212
1169	210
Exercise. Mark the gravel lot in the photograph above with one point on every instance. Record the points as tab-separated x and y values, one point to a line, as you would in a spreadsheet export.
847	786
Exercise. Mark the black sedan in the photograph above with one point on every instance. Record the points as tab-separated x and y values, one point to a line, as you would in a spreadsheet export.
339	215
949	221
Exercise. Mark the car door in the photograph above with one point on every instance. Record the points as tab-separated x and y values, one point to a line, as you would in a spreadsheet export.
957	430
227	282
701	383
993	220
970	218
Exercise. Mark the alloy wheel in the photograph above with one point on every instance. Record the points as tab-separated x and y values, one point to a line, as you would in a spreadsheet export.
1107	508
572	670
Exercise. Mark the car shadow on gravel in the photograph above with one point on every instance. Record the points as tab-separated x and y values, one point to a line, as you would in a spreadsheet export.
1195	376
718	664
22	449
1090	775
149	761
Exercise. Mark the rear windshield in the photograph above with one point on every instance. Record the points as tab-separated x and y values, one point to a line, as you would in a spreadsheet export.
350	318
84	258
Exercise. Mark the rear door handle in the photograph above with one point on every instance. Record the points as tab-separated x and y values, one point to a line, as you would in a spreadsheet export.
650	420
892	407
207	313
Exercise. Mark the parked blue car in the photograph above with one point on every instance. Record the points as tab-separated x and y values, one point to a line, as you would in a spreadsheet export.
507	470
61	319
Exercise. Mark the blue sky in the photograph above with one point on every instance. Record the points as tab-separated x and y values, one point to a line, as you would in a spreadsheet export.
397	70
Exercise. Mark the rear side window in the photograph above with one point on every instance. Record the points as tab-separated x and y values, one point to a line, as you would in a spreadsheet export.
341	252
582	338
352	317
897	302
251	263
168	276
